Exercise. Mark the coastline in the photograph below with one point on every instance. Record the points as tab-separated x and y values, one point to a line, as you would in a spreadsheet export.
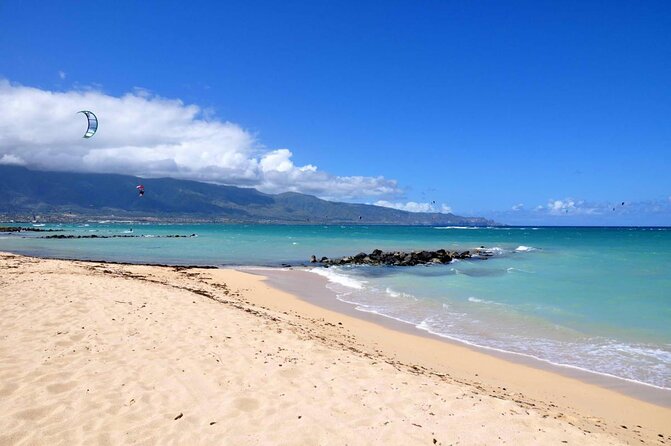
380	384
590	394
312	289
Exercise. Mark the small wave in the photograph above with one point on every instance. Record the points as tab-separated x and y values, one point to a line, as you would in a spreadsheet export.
654	353
489	252
426	326
483	301
340	279
523	248
456	227
394	293
511	269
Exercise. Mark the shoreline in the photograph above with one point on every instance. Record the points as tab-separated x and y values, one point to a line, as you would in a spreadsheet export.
323	297
538	384
327	299
344	356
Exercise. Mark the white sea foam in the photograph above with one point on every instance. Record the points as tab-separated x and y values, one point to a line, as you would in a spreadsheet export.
340	279
523	248
653	353
493	251
483	301
394	293
511	269
426	326
456	227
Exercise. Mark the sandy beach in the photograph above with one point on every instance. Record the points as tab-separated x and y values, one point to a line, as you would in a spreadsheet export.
99	353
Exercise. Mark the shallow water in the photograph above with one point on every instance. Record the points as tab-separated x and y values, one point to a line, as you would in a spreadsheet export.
592	298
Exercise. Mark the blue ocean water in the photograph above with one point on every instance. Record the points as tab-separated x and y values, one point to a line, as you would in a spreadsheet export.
593	298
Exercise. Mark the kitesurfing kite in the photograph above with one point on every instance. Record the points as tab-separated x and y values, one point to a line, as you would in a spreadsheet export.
140	190
93	123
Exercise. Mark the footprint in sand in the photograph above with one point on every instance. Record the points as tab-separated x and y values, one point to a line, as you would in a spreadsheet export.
246	404
8	389
34	413
61	387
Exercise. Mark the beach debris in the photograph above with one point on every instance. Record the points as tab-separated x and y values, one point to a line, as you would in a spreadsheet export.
92	120
395	258
179	416
212	422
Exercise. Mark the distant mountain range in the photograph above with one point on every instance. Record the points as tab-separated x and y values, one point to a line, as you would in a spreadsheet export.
62	196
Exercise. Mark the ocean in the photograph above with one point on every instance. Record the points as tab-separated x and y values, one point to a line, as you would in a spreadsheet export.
596	299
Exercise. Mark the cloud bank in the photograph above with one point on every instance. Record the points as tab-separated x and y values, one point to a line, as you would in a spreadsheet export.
413	206
574	211
150	136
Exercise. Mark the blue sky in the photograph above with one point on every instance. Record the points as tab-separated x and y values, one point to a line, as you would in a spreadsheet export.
561	107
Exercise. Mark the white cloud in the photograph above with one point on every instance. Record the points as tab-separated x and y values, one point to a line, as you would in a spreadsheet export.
557	207
568	206
11	159
150	136
412	206
62	74
582	212
518	207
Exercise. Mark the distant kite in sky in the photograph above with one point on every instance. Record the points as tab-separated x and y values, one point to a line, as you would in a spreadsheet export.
92	123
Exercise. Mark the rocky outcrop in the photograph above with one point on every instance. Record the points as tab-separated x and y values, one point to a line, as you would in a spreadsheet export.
395	258
21	229
61	236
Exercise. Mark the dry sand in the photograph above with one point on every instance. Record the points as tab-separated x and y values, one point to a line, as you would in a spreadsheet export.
95	353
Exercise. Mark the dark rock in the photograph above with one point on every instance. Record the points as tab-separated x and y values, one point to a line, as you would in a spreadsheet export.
396	258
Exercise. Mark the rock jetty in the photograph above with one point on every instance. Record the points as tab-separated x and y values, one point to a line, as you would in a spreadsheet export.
395	258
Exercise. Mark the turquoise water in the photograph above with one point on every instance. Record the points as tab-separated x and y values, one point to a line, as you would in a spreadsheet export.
593	298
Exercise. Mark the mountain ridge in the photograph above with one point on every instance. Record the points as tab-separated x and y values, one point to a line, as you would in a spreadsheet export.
68	196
